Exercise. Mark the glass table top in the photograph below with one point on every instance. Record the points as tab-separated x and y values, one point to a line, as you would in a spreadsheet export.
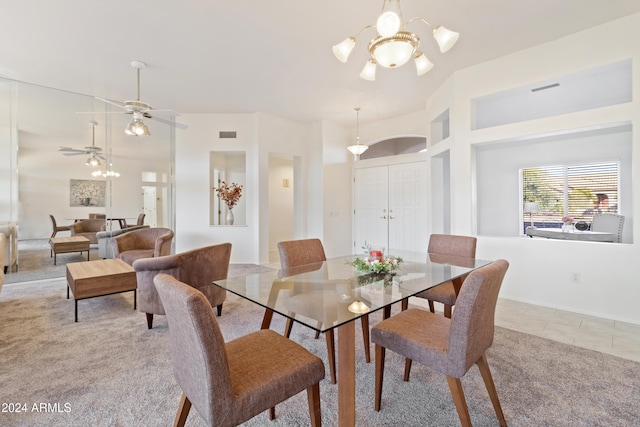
328	294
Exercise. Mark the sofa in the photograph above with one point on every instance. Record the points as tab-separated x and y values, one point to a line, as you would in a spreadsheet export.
10	248
142	243
105	251
88	228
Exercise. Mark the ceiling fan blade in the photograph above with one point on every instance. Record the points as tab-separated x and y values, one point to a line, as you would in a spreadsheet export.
69	149
163	112
101	112
168	122
80	153
108	101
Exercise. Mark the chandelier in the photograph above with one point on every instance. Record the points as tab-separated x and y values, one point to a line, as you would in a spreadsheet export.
106	173
394	46
357	148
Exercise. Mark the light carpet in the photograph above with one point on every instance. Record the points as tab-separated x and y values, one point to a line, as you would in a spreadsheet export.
110	370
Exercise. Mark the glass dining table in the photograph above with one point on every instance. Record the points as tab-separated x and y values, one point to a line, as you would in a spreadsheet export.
333	295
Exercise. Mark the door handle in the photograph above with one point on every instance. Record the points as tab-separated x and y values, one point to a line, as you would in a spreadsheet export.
383	217
391	217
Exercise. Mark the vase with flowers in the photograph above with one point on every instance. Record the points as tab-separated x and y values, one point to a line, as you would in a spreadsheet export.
230	195
567	224
376	266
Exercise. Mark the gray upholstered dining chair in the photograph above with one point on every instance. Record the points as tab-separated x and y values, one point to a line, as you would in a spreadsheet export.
230	383
446	244
448	346
197	267
295	253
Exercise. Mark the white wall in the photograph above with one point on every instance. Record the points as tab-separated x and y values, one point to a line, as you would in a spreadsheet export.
260	135
541	269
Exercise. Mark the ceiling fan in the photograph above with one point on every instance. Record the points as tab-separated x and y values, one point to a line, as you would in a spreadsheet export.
141	110
95	153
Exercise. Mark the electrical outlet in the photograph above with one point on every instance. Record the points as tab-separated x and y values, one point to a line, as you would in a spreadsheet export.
575	277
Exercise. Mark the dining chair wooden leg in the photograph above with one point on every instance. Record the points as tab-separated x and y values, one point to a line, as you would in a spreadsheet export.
407	368
266	319
380	352
491	388
447	311
287	327
183	411
313	396
404	304
272	413
431	307
318	331
455	386
365	336
149	320
331	354
219	310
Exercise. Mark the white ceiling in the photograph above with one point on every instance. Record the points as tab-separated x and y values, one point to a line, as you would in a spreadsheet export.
243	56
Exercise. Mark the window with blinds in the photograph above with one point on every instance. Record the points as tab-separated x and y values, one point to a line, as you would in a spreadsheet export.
577	191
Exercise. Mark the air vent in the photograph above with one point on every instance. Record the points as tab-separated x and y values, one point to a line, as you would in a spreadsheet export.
228	134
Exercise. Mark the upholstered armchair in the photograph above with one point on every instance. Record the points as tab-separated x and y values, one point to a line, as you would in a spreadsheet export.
88	228
144	243
105	250
197	267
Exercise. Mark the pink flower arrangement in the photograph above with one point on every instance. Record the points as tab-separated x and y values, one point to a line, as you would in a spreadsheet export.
567	220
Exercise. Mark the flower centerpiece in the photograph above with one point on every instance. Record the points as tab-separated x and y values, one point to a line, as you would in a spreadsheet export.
376	266
230	195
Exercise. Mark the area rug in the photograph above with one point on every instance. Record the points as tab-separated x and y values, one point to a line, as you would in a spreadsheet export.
110	370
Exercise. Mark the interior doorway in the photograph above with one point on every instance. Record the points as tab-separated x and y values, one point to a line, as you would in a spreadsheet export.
281	195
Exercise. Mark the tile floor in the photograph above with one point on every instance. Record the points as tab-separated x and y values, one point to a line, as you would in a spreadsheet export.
594	333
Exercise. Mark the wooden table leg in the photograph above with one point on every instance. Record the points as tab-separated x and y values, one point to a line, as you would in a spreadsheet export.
346	375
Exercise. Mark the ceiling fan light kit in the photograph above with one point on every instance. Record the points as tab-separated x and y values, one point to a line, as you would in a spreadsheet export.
95	153
137	127
394	46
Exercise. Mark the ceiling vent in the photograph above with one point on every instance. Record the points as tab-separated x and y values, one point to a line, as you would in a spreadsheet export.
228	134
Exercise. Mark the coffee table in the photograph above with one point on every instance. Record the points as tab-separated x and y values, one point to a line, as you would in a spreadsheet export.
89	279
62	245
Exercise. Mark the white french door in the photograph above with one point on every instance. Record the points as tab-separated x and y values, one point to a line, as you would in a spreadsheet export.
390	207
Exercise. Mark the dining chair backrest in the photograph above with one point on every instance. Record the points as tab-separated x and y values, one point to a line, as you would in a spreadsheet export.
300	252
140	220
608	223
472	323
447	244
198	351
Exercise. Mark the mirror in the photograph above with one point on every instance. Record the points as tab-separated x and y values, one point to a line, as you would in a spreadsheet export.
228	167
37	179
